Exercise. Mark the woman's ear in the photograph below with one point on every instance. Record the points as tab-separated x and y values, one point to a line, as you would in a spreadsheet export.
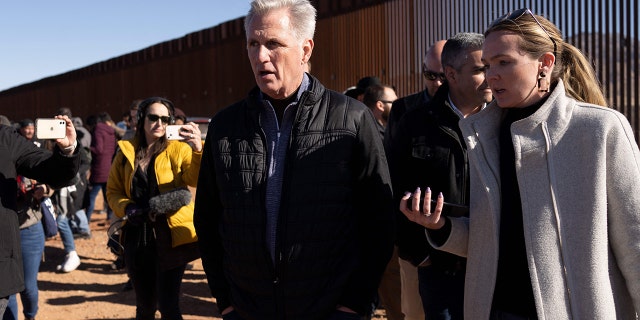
544	72
547	60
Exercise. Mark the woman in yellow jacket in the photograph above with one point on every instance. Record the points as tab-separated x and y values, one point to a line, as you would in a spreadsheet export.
147	188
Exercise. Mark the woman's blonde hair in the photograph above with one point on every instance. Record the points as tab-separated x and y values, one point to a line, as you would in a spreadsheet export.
538	36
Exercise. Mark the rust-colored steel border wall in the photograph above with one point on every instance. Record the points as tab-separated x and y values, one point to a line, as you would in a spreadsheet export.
208	69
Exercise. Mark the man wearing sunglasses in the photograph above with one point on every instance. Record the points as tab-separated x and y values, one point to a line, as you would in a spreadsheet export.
432	72
411	250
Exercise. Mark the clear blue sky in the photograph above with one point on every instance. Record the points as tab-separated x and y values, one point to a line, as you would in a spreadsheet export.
42	38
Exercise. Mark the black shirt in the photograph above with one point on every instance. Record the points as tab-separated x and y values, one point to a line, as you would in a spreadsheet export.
513	291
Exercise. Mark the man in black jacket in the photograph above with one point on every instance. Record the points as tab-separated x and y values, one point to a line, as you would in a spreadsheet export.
411	250
429	152
22	157
379	99
293	208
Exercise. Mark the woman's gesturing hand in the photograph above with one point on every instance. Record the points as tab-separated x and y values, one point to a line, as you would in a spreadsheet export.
426	216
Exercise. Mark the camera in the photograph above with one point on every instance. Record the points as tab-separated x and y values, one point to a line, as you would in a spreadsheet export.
51	128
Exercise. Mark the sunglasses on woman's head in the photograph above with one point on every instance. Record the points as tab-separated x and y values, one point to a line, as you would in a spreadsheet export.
155	117
515	15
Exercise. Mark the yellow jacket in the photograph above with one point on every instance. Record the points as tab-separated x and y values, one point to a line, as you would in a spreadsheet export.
177	166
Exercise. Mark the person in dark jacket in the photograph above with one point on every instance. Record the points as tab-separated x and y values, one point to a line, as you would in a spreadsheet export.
411	251
103	147
379	99
429	151
293	208
22	157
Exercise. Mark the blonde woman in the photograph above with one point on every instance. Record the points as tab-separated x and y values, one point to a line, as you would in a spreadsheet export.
554	223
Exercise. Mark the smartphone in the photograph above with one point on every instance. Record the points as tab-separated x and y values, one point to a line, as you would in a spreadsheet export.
452	209
173	132
51	128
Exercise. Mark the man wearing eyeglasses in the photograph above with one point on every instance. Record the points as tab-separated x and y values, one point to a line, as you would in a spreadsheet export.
411	250
379	98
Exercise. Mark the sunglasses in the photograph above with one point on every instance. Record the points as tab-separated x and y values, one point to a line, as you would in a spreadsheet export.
155	117
433	76
515	15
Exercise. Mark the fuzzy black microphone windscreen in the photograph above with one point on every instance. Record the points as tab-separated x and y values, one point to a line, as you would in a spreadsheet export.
170	201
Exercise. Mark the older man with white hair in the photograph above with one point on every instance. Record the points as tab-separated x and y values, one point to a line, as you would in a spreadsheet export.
293	205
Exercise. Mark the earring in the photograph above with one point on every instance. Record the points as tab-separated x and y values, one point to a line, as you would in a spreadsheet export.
543	85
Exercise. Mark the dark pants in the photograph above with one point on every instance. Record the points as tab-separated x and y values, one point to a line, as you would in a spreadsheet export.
93	193
154	288
442	293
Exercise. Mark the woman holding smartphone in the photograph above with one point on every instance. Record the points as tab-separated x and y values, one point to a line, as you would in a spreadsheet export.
158	241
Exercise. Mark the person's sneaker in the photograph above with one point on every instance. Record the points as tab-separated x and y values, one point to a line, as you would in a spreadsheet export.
71	262
82	235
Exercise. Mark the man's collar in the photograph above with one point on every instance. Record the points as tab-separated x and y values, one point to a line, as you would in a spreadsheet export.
304	86
457	111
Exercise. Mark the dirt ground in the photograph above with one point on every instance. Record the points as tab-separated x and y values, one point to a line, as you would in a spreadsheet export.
94	290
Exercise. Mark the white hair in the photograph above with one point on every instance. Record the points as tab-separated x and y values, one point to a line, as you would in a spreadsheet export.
301	12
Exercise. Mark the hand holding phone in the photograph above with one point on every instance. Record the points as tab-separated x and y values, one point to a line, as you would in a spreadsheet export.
173	132
50	128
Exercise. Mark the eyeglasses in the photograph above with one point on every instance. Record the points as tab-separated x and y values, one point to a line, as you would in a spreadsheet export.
155	117
386	101
433	76
515	15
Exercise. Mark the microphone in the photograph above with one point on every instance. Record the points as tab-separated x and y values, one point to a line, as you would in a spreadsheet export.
170	201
